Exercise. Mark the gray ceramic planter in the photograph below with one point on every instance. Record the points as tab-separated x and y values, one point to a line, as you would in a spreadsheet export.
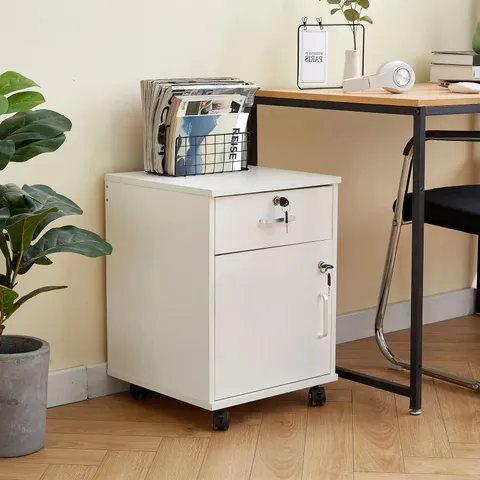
23	394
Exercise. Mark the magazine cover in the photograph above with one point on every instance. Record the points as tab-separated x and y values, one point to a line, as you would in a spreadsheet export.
162	122
205	134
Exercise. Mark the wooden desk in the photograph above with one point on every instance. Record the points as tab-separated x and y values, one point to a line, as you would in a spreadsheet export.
422	95
422	101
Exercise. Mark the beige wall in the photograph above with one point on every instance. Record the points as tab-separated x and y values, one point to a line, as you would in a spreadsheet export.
89	57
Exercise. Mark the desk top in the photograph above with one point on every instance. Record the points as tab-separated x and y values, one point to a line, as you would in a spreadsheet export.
421	95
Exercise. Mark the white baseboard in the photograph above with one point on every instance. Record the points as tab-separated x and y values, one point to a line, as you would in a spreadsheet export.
77	384
436	308
67	386
100	384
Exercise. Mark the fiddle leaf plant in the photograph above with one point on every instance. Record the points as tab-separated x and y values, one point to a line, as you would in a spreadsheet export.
353	11
25	212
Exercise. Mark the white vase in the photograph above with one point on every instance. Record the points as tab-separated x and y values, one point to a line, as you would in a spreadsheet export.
353	64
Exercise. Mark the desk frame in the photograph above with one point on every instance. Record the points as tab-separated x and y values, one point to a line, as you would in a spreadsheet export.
419	114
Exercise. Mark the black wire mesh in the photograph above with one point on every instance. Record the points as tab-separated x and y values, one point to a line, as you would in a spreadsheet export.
209	154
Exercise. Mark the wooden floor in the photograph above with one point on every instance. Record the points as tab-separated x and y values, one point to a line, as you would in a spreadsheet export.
361	434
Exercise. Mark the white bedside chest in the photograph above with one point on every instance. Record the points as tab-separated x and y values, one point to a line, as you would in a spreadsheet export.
211	297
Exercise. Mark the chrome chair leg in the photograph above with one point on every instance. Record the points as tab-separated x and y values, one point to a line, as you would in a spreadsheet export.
477	292
387	282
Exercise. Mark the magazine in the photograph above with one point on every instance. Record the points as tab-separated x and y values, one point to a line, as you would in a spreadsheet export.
205	134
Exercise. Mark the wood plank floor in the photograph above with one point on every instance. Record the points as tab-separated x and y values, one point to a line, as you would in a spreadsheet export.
361	434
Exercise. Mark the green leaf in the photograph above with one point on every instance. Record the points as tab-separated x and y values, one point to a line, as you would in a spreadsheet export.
367	19
4	216
33	149
66	239
15	199
32	294
364	3
32	132
334	2
43	261
45	197
7	297
351	15
3	280
3	104
13	81
334	10
23	101
7	149
34	125
21	229
4	246
6	253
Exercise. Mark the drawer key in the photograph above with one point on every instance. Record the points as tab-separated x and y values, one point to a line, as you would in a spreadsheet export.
287	218
286	209
285	204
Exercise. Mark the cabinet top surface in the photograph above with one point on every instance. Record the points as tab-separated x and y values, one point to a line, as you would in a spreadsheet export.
254	180
421	95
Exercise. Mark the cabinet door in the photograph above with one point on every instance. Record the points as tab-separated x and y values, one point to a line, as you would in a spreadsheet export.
273	318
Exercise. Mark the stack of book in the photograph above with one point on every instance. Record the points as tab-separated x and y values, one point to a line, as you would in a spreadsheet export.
195	125
455	67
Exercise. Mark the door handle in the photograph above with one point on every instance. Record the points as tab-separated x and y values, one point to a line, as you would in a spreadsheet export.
291	218
325	317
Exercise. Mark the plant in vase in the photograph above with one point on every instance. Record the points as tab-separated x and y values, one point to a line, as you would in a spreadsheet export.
476	39
353	11
25	212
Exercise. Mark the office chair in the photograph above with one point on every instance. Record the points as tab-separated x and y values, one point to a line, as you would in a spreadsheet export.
455	208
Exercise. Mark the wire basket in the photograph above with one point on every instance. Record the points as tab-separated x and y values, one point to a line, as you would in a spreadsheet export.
209	154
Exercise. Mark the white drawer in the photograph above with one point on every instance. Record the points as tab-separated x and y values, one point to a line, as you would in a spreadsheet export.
240	221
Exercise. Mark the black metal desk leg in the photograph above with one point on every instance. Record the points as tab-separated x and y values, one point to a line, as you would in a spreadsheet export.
252	129
416	335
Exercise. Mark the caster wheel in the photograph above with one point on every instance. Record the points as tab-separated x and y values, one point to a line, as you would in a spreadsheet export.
317	397
138	393
221	420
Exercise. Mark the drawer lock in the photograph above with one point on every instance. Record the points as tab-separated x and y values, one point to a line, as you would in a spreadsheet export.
282	201
325	268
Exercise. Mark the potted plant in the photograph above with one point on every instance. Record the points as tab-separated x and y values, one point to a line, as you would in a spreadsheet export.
353	11
24	244
476	39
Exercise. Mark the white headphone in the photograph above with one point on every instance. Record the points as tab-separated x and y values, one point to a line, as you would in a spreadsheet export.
395	77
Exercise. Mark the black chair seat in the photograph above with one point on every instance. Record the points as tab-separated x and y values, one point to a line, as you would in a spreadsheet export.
456	208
